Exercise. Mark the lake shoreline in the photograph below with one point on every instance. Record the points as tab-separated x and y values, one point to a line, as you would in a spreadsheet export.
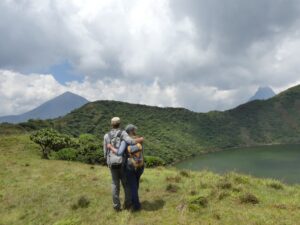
276	161
214	150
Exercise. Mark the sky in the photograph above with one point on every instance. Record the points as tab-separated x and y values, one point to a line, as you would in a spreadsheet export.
201	55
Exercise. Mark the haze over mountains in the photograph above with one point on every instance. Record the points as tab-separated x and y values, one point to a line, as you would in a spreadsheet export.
263	93
59	106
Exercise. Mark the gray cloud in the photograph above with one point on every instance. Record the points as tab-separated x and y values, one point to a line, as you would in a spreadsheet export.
207	54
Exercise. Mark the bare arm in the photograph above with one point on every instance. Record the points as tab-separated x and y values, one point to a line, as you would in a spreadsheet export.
139	140
112	148
129	140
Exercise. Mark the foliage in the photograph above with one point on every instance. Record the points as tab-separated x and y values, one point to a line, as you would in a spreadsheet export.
249	198
87	148
69	154
174	134
90	149
184	173
198	201
153	161
276	185
50	140
172	188
11	129
82	202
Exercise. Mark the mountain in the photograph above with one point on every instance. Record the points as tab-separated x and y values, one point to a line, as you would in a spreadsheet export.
176	133
59	106
263	93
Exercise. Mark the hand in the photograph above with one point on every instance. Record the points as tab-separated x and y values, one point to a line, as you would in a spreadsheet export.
139	140
114	150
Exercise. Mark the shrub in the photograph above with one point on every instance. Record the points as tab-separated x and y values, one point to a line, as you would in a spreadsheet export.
275	185
249	198
241	179
51	140
203	185
90	150
69	154
153	161
198	201
184	173
82	202
172	188
193	192
237	188
224	185
223	195
175	179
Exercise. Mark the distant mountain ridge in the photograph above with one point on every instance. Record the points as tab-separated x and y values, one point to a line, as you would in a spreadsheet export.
56	107
177	133
263	93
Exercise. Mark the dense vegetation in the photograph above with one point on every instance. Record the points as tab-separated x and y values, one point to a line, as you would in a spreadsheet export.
35	191
86	148
176	133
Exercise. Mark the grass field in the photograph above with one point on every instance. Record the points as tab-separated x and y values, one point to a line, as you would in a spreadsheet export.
36	191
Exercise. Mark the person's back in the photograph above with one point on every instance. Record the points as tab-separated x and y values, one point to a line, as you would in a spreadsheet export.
116	163
115	139
135	155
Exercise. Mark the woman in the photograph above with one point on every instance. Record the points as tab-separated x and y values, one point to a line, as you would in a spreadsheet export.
134	165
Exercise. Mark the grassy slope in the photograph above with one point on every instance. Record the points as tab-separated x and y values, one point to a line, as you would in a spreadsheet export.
35	191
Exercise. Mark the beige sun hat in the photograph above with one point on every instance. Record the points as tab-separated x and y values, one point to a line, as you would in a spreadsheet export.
115	121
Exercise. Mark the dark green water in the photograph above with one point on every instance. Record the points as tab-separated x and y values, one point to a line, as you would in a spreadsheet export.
281	162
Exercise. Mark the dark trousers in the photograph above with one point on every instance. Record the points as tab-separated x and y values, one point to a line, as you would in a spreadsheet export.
133	179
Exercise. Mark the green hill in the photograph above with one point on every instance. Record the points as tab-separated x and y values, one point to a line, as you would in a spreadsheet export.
177	133
35	191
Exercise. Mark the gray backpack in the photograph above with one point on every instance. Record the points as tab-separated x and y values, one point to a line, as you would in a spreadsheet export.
114	160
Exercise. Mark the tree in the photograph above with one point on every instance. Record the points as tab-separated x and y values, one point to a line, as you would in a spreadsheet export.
50	140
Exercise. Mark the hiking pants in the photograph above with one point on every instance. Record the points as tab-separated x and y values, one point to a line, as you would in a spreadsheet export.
133	179
118	175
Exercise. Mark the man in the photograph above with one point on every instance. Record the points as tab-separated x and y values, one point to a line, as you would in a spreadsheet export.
116	163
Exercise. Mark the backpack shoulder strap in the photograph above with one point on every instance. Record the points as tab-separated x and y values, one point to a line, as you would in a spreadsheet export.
109	135
119	133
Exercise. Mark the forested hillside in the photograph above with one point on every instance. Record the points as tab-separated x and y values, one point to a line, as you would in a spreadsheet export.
177	133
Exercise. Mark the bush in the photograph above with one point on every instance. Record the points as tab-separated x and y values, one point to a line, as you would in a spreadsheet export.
172	188
224	185
249	199
275	185
51	140
175	179
198	202
83	202
69	154
223	195
90	150
153	161
184	173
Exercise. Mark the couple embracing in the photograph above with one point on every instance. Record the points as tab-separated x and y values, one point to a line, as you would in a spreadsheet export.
123	151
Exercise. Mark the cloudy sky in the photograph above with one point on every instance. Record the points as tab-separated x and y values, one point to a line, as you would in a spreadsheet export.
202	55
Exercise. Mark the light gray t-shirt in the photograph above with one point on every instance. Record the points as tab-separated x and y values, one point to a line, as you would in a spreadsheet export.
124	136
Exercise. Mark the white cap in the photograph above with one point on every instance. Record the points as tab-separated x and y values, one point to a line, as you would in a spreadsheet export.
115	121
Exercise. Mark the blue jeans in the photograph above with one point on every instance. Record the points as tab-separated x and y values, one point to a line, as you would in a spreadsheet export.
133	180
